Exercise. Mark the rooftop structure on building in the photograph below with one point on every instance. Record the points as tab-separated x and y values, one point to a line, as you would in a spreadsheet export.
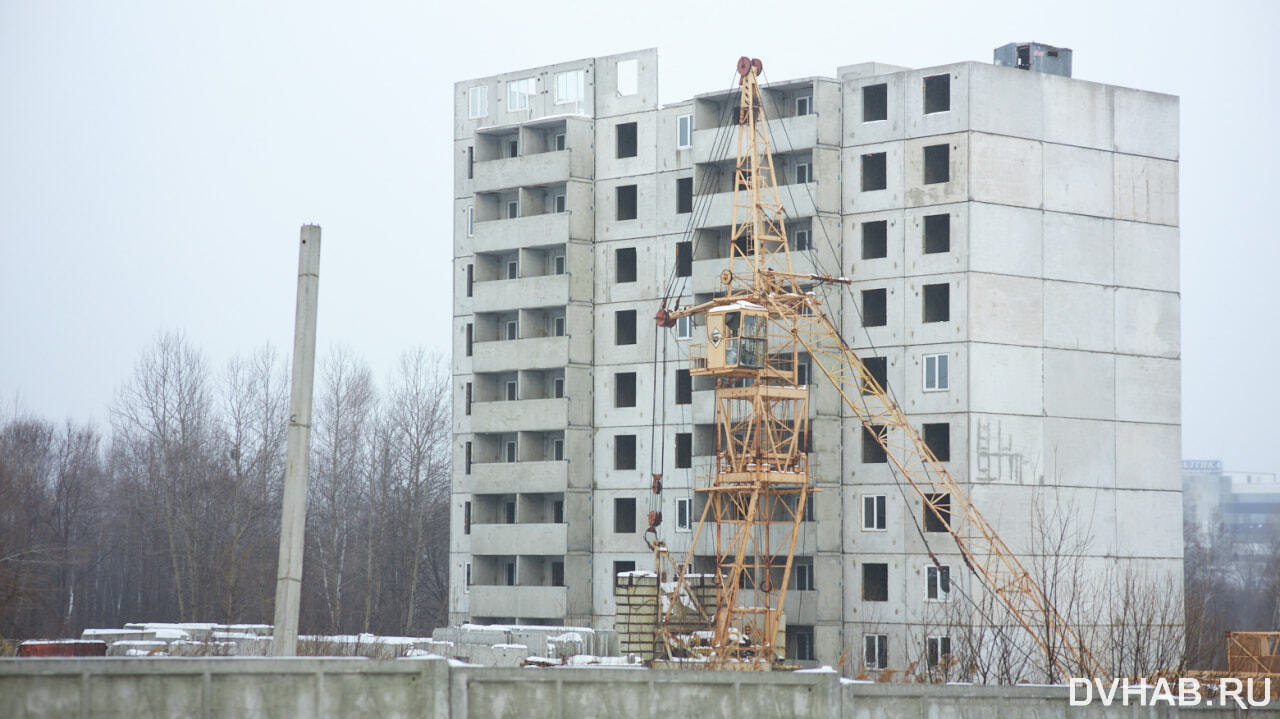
1012	237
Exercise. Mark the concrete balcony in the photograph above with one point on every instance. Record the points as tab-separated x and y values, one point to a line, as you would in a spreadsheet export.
543	168
512	477
517	601
507	295
526	415
506	235
785	135
510	355
508	539
797	199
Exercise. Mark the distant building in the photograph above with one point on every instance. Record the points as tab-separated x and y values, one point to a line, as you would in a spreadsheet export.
1242	508
1012	235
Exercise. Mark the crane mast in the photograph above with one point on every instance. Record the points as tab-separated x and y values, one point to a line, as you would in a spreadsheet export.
756	331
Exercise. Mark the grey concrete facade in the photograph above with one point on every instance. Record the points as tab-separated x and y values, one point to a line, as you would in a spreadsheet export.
306	688
1057	276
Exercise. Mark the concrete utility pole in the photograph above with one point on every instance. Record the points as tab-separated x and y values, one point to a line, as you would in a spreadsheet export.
293	521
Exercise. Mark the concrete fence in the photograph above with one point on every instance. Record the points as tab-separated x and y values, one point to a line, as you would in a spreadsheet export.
319	687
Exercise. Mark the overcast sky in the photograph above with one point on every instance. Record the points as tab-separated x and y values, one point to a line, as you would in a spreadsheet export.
157	159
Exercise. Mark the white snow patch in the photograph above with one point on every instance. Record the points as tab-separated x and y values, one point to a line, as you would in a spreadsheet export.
420	654
824	669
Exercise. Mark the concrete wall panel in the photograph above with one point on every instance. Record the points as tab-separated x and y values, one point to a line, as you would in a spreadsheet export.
1005	240
893	127
1146	190
1146	123
891	265
955	119
857	200
955	329
1006	170
1079	316
1006	309
1079	248
1079	384
1077	113
1148	323
1148	456
1078	180
956	189
1005	379
955	259
1147	256
1147	389
1161	535
1079	452
1007	449
1006	101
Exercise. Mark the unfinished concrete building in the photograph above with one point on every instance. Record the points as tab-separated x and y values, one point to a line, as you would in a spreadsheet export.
1012	234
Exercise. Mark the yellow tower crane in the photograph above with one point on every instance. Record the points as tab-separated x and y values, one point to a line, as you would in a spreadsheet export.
755	332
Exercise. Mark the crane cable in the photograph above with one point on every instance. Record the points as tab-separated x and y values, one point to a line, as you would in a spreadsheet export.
657	445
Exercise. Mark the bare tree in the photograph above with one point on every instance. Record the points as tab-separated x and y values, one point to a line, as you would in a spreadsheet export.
419	418
343	417
162	424
253	428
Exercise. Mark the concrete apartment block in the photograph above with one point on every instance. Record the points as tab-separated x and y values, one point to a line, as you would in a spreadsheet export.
1013	230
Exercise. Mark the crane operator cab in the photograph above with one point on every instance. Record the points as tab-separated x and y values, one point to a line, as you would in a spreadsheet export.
737	341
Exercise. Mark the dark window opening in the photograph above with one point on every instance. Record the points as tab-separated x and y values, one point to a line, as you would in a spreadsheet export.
875	239
468	405
623	566
937	437
937	164
937	512
466	518
802	574
872	450
624	452
875	582
937	93
470	337
624	389
684	195
873	506
800	642
1024	57
876	651
938	651
875	103
878	369
471	278
937	303
466	463
627	202
684	450
626	139
557	574
875	308
471	162
626	261
873	172
557	511
511	574
684	387
624	330
684	259
509	513
937	234
624	516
